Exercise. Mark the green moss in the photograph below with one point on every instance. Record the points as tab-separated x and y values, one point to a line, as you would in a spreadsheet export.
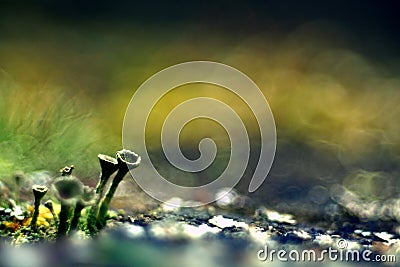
48	126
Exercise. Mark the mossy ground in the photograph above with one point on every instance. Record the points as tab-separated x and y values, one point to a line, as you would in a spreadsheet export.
225	236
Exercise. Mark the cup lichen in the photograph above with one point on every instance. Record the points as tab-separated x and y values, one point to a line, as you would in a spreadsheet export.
73	197
38	192
67	170
108	165
49	204
127	160
86	199
67	189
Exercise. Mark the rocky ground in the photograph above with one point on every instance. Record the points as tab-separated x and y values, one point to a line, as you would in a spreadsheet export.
227	233
205	236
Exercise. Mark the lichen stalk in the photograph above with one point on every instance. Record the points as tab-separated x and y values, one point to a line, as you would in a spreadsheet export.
63	225
38	193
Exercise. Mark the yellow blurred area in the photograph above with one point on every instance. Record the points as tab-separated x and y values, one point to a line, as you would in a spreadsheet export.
45	215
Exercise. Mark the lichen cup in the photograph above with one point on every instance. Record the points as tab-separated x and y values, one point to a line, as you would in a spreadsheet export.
38	192
127	160
68	190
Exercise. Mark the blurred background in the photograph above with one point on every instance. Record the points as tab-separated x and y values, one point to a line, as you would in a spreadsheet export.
330	72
